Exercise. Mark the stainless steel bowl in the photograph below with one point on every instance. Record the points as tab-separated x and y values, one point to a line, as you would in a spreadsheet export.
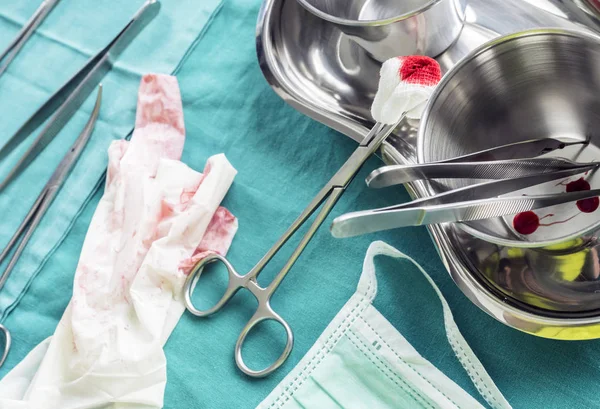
388	28
534	84
316	69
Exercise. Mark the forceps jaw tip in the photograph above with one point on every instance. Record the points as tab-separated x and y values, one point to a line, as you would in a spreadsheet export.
339	228
150	4
373	180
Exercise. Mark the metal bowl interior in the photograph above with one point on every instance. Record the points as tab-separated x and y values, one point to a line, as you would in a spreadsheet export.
534	84
358	12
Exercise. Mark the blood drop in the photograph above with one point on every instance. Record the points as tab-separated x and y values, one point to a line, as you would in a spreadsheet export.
585	205
578	185
588	205
526	222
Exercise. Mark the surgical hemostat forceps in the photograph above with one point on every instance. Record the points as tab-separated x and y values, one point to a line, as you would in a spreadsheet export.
41	205
327	197
15	46
63	104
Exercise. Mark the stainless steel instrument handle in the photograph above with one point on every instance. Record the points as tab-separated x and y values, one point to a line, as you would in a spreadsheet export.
263	313
369	221
46	197
27	31
326	200
505	169
519	150
491	189
235	283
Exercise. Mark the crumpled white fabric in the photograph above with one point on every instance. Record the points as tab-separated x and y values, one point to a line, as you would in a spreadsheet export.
156	217
395	96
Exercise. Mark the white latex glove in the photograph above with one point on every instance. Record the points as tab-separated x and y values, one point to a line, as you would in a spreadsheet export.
405	85
156	215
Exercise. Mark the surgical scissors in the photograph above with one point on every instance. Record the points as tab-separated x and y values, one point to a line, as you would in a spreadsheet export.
19	41
41	205
63	104
327	197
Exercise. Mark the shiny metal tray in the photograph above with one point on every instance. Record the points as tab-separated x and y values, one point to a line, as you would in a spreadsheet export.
549	292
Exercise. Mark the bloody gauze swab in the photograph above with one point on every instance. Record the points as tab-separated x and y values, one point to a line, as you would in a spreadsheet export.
405	85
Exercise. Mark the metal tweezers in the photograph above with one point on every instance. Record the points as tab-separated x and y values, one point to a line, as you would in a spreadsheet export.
67	100
475	202
41	205
28	29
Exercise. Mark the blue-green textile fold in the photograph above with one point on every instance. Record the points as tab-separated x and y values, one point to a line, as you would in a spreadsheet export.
283	158
73	32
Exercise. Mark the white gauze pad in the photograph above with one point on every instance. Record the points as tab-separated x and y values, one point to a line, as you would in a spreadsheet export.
405	85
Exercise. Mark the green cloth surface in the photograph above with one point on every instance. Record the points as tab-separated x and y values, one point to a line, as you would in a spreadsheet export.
283	159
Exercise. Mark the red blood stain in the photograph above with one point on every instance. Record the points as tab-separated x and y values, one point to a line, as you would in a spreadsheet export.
578	185
418	69
166	210
186	195
556	222
588	205
585	205
526	222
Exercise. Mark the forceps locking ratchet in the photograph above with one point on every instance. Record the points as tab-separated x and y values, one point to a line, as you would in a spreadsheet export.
9	54
41	205
327	197
64	102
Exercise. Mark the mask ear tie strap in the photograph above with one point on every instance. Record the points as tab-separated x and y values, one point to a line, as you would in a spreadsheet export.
467	358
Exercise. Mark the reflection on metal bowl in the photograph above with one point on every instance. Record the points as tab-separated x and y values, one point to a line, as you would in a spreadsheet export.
561	281
388	28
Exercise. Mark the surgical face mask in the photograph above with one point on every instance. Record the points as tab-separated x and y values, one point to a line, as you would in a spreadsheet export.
362	361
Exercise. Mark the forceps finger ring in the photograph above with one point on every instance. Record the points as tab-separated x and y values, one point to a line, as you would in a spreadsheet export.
235	283
264	312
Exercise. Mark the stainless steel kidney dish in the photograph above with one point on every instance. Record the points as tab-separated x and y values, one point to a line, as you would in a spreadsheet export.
388	28
552	292
529	85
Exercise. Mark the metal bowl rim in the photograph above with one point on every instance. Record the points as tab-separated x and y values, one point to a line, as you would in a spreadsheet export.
438	90
367	23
